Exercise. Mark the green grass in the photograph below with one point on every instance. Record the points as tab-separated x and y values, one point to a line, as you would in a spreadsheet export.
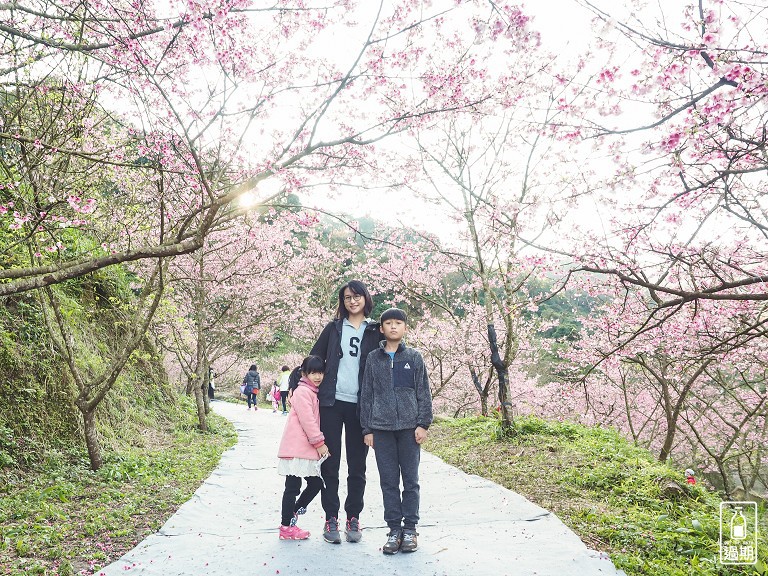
63	519
614	495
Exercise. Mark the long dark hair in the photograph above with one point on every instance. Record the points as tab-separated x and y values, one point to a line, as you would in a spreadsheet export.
356	287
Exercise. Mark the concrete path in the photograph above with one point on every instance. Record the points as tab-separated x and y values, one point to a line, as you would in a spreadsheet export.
470	526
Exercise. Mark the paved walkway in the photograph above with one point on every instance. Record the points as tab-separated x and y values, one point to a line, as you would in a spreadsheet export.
470	526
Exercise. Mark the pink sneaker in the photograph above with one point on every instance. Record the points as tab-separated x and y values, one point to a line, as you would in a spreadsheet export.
293	533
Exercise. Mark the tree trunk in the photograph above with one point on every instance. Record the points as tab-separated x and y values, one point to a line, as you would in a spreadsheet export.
94	387
204	390
204	386
725	475
480	392
507	420
91	438
199	385
669	438
672	410
202	421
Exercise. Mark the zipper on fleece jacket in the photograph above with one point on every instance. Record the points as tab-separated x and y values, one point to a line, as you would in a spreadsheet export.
392	382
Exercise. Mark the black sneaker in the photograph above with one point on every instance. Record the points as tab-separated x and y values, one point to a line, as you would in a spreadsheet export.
353	531
410	542
394	539
331	532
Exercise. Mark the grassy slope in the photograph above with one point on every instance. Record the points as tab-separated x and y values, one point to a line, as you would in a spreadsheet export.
615	496
61	519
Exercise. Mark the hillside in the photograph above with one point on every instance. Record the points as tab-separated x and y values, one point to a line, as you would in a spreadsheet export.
58	516
38	411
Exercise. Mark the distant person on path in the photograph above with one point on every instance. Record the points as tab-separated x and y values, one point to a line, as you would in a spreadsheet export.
211	383
282	382
302	449
252	383
345	343
274	396
395	413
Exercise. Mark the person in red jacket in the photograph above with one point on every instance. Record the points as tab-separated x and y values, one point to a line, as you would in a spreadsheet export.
302	449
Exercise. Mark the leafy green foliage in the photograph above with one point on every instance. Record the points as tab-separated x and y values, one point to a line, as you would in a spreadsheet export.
35	407
566	308
616	496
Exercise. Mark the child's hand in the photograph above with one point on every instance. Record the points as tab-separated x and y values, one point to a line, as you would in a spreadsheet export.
421	434
323	450
368	440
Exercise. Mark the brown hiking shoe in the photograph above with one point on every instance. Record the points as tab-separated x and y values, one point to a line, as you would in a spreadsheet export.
394	539
410	542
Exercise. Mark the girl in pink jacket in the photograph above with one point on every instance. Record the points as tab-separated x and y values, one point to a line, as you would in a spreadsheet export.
302	449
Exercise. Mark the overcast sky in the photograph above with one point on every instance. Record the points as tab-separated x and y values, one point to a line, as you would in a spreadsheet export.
560	22
564	27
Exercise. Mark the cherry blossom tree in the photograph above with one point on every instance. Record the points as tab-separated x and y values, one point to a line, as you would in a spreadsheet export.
668	124
457	358
669	388
448	319
472	169
670	358
230	299
682	123
725	425
162	117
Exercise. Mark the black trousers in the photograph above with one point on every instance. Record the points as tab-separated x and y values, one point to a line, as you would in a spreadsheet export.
336	421
292	488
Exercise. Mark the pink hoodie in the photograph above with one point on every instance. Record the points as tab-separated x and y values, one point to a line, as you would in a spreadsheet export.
302	436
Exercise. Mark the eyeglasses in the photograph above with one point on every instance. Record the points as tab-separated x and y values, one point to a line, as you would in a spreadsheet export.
355	297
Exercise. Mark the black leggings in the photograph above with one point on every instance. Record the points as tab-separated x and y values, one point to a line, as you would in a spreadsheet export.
283	397
338	423
292	489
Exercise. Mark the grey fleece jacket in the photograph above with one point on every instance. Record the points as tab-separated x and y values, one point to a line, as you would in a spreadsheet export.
395	394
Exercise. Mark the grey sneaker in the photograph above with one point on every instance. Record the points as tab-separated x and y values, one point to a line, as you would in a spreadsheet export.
331	532
394	539
353	531
410	542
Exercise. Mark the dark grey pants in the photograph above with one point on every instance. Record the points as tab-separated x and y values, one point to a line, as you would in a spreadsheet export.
398	455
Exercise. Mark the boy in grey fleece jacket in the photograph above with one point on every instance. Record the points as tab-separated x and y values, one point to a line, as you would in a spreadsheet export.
395	413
